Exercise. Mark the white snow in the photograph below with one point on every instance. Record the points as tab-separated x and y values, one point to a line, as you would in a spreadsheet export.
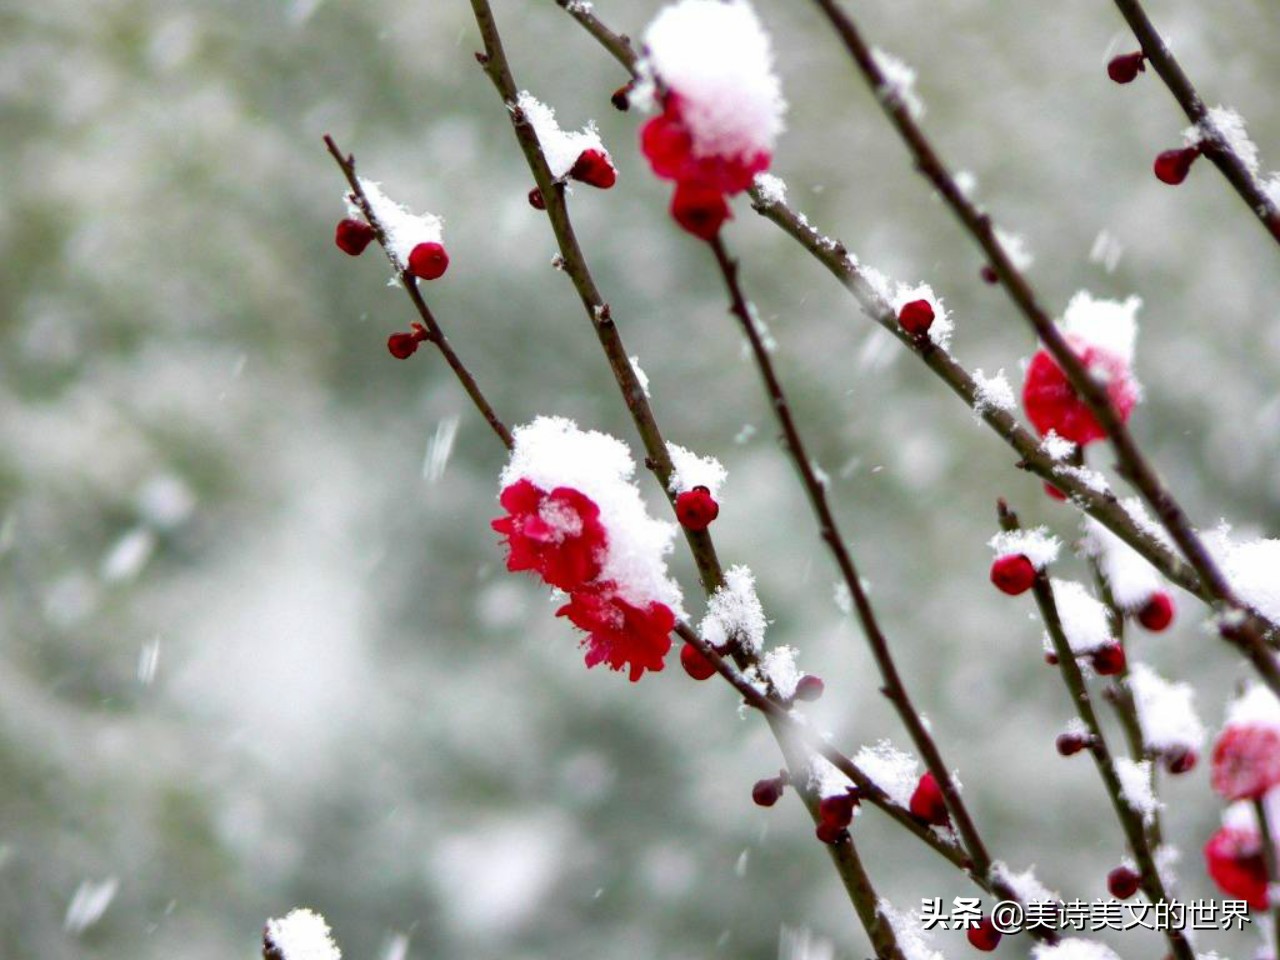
1106	250
1166	857
1110	325
1166	711
1256	707
403	230
826	780
302	935
994	393
894	772
1084	618
1131	579
1086	476
692	471
88	904
1228	125
899	82
779	667
772	190
165	501
561	147
1253	569
1137	788
1037	544
1057	447
914	941
718	59
1025	885
553	452
942	327
843	597
734	612
640	375
1015	248
1073	948
1076	727
439	449
128	556
799	943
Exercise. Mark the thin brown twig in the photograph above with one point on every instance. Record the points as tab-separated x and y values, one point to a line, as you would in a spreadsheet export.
1131	822
1101	505
494	61
1266	835
1215	146
347	163
1250	635
815	489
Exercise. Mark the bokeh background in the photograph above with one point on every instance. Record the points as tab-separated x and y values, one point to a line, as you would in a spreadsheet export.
257	648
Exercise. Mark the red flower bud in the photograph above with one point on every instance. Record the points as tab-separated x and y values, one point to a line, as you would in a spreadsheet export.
831	833
927	801
1126	67
1180	760
594	169
1069	744
1172	166
402	346
1157	613
696	508
984	936
1108	660
536	199
766	793
1053	492
428	261
1236	863
352	236
1123	883
699	209
837	809
989	275
1013	574
695	664
810	688
916	317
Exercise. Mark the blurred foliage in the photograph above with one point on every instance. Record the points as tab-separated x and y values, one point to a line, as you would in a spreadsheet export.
253	660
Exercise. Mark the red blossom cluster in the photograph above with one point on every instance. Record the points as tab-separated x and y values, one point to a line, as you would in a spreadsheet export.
558	535
1245	768
704	182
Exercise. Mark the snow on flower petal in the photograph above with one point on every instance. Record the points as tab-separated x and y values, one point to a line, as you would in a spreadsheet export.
575	517
718	61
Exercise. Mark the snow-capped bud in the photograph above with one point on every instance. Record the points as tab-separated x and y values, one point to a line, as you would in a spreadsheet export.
1123	882
837	809
984	936
767	792
1157	613
1172	166
1180	760
1109	660
594	169
927	801
402	346
1126	67
696	508
695	664
536	199
699	209
916	317
1069	744
810	688
989	275
428	261
352	236
1013	574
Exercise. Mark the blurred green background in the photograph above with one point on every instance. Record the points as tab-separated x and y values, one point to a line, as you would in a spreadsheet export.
257	648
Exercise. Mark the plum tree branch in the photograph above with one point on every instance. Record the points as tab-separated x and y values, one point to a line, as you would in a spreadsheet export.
1215	146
